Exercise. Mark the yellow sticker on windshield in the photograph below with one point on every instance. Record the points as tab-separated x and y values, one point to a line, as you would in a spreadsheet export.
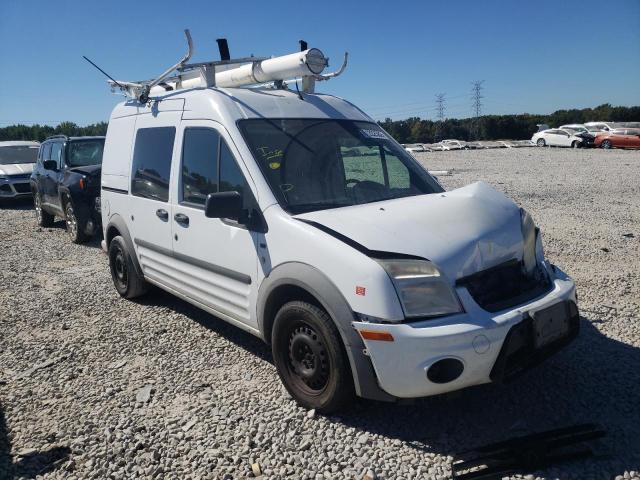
274	165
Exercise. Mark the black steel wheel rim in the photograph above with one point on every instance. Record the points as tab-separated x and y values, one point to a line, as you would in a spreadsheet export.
120	274
308	359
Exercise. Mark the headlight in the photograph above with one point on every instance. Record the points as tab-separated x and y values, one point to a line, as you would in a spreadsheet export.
4	177
422	290
529	241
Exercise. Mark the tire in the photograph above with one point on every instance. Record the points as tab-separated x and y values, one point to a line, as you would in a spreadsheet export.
75	226
123	273
309	355
541	143
43	219
606	144
576	144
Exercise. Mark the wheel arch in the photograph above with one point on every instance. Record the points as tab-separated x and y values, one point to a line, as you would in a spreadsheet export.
300	281
115	227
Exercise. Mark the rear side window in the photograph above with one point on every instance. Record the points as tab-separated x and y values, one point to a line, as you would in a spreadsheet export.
151	166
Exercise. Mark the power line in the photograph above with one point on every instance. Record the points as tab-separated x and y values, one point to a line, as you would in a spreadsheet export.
440	105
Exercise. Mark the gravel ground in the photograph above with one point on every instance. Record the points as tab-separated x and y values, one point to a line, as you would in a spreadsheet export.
94	386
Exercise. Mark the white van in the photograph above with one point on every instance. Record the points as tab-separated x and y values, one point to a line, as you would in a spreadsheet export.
295	217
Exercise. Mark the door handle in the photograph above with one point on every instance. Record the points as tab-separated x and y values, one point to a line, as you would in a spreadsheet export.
162	214
182	219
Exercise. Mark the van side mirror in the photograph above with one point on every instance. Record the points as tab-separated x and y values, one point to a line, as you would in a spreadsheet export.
224	205
50	165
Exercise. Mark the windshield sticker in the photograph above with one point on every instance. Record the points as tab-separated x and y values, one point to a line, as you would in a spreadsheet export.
268	154
369	133
274	165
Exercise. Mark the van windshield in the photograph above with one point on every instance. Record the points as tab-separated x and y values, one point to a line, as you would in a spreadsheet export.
319	164
85	152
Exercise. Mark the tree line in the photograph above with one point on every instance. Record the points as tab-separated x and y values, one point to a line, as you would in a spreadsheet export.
497	127
40	132
411	130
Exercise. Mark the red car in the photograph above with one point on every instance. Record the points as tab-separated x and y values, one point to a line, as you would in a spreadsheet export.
619	138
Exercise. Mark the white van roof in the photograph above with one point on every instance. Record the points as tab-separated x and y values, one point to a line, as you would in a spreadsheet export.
232	104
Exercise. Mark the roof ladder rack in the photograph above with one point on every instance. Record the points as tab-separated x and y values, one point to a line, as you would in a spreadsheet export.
308	65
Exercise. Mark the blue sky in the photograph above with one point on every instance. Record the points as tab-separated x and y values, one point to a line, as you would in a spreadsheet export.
534	56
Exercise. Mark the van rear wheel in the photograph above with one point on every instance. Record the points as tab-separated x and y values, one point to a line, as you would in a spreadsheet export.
123	273
309	355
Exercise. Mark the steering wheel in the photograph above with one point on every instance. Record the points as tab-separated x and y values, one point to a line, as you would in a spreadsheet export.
355	181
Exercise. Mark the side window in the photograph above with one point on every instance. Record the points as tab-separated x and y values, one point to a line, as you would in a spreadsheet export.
231	177
399	176
363	164
151	166
56	153
199	164
46	152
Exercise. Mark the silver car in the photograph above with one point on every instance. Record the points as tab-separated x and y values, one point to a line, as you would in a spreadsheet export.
16	164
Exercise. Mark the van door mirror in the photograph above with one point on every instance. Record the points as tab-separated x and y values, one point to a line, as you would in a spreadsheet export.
224	205
50	165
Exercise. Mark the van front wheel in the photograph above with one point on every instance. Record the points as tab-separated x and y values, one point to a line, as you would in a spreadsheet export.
309	356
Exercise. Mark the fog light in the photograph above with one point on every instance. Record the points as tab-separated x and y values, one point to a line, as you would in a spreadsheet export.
445	370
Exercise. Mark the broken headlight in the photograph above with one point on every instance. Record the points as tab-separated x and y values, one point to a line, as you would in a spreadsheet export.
529	236
421	288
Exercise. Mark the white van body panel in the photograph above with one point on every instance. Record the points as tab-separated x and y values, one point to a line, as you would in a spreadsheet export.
227	279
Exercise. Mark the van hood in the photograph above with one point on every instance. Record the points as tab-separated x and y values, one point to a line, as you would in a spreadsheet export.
16	169
462	231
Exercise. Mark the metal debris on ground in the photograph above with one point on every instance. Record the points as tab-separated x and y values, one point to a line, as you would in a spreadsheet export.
527	453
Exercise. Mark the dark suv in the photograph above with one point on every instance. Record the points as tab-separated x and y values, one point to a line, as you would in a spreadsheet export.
66	183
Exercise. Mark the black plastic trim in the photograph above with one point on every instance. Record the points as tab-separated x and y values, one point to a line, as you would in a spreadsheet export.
116	190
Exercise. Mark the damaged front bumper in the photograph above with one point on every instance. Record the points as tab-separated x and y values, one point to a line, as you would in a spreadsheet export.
440	355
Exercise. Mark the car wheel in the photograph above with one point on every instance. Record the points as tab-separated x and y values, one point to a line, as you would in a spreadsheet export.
575	144
606	144
43	218
541	142
123	273
309	355
75	227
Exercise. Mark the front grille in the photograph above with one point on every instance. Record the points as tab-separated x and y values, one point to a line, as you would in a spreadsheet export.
22	176
22	187
505	286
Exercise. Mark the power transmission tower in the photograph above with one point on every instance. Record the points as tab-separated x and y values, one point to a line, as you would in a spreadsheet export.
476	97
440	105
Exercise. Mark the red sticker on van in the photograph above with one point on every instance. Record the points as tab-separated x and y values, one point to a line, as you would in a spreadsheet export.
361	291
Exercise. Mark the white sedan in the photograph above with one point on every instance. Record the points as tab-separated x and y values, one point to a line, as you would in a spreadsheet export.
557	137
